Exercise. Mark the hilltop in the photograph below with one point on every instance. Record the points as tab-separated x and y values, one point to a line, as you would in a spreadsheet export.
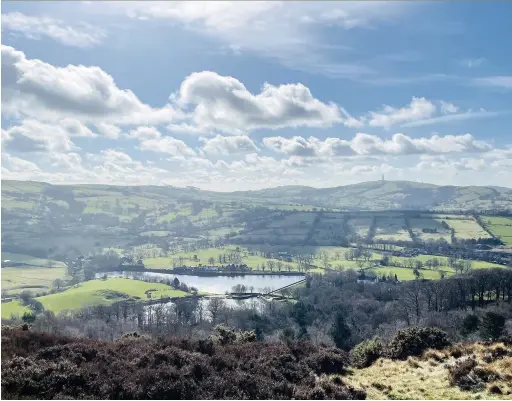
373	195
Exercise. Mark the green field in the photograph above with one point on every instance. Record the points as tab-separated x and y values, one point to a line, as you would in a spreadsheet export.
405	274
501	227
253	261
33	279
99	292
467	229
154	233
391	228
418	224
13	308
30	260
360	225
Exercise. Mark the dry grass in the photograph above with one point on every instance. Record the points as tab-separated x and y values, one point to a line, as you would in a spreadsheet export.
427	377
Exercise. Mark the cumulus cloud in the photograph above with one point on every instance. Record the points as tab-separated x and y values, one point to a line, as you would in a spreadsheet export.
225	104
108	130
34	136
448	108
419	112
419	108
36	27
33	88
365	144
150	139
226	145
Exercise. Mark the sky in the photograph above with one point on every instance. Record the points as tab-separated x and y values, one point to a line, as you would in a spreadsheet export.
248	95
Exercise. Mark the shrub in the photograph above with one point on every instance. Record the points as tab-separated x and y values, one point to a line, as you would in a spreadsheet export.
365	353
328	361
470	324
460	374
493	325
414	341
37	365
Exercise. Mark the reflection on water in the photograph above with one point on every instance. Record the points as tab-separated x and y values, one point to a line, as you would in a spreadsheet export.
217	284
202	311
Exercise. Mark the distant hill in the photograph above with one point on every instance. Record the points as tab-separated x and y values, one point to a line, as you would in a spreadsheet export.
374	195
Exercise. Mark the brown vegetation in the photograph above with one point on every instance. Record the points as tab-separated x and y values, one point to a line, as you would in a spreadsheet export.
40	365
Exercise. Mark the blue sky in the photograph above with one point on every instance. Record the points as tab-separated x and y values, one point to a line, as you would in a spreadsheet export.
234	95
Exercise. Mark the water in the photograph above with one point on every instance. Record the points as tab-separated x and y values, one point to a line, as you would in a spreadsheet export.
216	284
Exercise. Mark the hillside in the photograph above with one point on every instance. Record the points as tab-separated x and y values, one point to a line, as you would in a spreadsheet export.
44	366
375	195
49	221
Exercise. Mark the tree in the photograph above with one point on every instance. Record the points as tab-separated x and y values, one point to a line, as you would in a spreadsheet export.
211	260
470	324
28	317
340	332
58	284
493	325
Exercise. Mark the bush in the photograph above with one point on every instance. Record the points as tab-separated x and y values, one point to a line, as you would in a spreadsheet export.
460	374
42	366
470	324
493	325
365	353
414	341
328	361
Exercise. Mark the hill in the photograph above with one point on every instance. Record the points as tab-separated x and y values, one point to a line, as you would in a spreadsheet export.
374	195
234	365
49	221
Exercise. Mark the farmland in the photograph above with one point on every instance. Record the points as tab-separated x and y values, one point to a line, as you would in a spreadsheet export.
34	279
426	229
467	228
501	227
391	228
97	292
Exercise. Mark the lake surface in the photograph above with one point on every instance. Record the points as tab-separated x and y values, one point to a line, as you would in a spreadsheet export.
216	284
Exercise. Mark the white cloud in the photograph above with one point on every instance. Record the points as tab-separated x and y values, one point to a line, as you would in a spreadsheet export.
34	136
33	88
82	35
364	144
76	128
223	103
448	108
143	133
289	32
108	130
226	145
420	112
419	108
16	165
467	115
498	81
169	145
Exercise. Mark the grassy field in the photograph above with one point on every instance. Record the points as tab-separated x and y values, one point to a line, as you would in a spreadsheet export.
443	260
33	279
467	229
418	224
427	379
501	227
253	261
96	292
31	260
105	292
154	233
406	274
13	308
391	228
360	225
